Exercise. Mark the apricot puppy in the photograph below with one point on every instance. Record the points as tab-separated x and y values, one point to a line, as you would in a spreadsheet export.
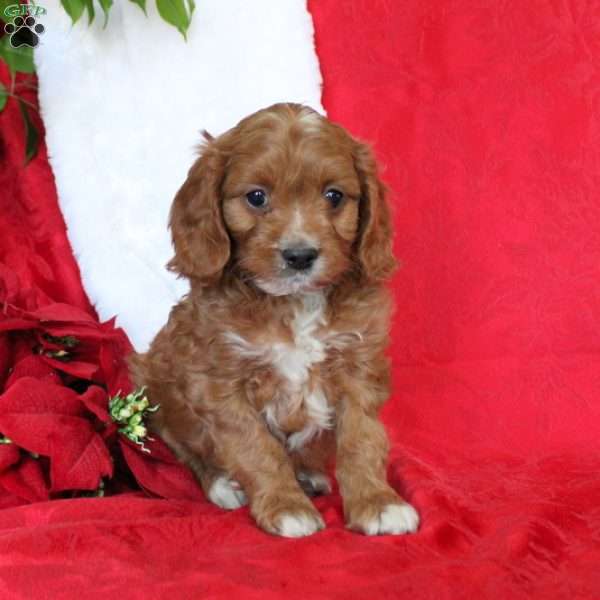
274	363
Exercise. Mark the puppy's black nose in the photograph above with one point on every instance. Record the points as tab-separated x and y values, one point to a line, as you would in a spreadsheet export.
300	258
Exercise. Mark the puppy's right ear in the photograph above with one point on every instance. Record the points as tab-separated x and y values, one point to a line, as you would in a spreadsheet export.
201	242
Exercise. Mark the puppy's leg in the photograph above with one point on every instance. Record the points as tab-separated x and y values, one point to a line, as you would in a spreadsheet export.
245	449
310	464
371	506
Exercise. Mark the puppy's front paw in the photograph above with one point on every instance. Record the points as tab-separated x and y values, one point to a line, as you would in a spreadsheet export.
393	519
291	518
298	524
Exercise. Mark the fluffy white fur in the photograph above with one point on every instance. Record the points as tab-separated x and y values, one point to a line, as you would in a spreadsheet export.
227	493
300	525
123	109
394	519
294	361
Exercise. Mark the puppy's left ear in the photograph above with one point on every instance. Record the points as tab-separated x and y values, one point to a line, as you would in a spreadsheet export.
201	242
375	253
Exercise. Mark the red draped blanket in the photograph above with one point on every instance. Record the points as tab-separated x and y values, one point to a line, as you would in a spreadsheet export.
486	117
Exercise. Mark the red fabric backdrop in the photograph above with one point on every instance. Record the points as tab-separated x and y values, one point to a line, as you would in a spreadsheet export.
485	115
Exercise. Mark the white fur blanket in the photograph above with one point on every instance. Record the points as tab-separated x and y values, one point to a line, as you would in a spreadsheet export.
123	107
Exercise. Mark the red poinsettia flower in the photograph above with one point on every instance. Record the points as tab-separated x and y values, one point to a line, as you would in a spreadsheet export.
58	369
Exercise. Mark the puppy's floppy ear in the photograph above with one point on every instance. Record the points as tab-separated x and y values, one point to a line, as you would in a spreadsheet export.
374	250
201	242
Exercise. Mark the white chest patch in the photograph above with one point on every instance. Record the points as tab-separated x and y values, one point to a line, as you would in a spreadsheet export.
293	361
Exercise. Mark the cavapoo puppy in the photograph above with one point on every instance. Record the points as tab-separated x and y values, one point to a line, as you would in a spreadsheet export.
274	363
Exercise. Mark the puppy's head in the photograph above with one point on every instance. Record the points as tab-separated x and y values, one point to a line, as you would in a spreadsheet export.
287	200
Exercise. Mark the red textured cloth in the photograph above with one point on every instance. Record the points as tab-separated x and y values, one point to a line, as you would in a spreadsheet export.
485	115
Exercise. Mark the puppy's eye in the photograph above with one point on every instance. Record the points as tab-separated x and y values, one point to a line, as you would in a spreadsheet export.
256	198
334	196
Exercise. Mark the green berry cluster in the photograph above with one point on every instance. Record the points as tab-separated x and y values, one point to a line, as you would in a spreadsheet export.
129	412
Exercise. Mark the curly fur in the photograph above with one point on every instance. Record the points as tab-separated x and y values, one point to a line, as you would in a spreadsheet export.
263	375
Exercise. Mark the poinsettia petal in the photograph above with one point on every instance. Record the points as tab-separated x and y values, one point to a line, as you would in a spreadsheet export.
26	480
114	369
32	366
95	399
77	368
9	500
41	433
109	324
158	449
22	346
9	455
61	312
88	331
10	285
164	479
50	419
82	466
16	324
110	431
31	396
6	357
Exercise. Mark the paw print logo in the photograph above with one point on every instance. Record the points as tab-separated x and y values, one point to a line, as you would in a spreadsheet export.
24	32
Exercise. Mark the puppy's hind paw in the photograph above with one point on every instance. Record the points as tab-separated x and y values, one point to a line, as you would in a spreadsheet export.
227	493
314	483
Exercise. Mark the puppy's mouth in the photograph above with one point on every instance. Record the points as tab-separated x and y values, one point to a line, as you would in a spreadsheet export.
290	282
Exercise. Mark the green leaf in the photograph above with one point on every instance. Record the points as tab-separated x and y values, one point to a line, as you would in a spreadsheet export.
141	4
17	59
177	13
3	96
74	8
106	4
31	133
89	4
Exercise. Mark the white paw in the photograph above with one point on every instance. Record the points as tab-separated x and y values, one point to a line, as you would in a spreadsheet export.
298	525
313	482
227	493
394	519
